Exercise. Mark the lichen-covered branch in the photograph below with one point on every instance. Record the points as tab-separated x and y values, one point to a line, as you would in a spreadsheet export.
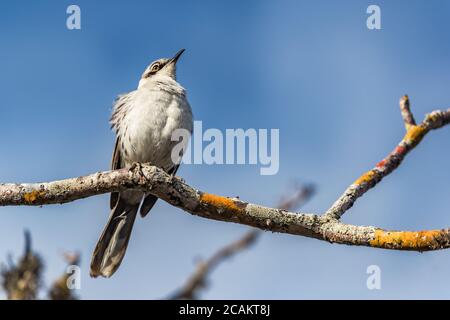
177	193
414	135
408	117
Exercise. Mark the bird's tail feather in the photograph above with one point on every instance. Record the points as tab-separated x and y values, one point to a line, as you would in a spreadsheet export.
113	242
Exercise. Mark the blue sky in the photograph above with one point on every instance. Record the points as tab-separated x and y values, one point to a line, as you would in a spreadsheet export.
310	68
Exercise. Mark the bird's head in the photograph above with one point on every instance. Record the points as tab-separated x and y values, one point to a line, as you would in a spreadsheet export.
164	67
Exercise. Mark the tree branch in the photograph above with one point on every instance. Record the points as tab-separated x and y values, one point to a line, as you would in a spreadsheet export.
407	115
177	193
413	136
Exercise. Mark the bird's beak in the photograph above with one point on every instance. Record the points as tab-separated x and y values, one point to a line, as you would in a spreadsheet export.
176	56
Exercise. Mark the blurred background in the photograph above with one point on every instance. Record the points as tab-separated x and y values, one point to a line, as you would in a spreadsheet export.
310	68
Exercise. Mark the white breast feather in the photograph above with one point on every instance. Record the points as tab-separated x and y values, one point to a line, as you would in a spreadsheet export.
153	112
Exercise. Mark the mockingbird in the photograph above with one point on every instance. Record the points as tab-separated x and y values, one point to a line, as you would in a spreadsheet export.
144	120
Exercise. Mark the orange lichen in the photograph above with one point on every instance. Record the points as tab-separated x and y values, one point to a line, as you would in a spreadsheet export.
31	197
221	203
366	177
405	239
415	134
399	150
381	164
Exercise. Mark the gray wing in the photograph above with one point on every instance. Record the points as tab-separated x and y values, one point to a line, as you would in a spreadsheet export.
121	106
115	164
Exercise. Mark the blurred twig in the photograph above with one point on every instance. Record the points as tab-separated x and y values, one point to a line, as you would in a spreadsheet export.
302	194
197	280
21	281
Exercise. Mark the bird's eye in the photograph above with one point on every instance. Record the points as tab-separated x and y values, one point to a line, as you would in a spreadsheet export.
155	67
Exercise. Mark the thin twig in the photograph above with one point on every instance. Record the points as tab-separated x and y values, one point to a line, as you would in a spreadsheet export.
370	179
198	279
407	115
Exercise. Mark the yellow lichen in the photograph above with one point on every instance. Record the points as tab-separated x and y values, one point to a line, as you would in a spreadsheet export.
31	197
414	134
405	239
366	177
